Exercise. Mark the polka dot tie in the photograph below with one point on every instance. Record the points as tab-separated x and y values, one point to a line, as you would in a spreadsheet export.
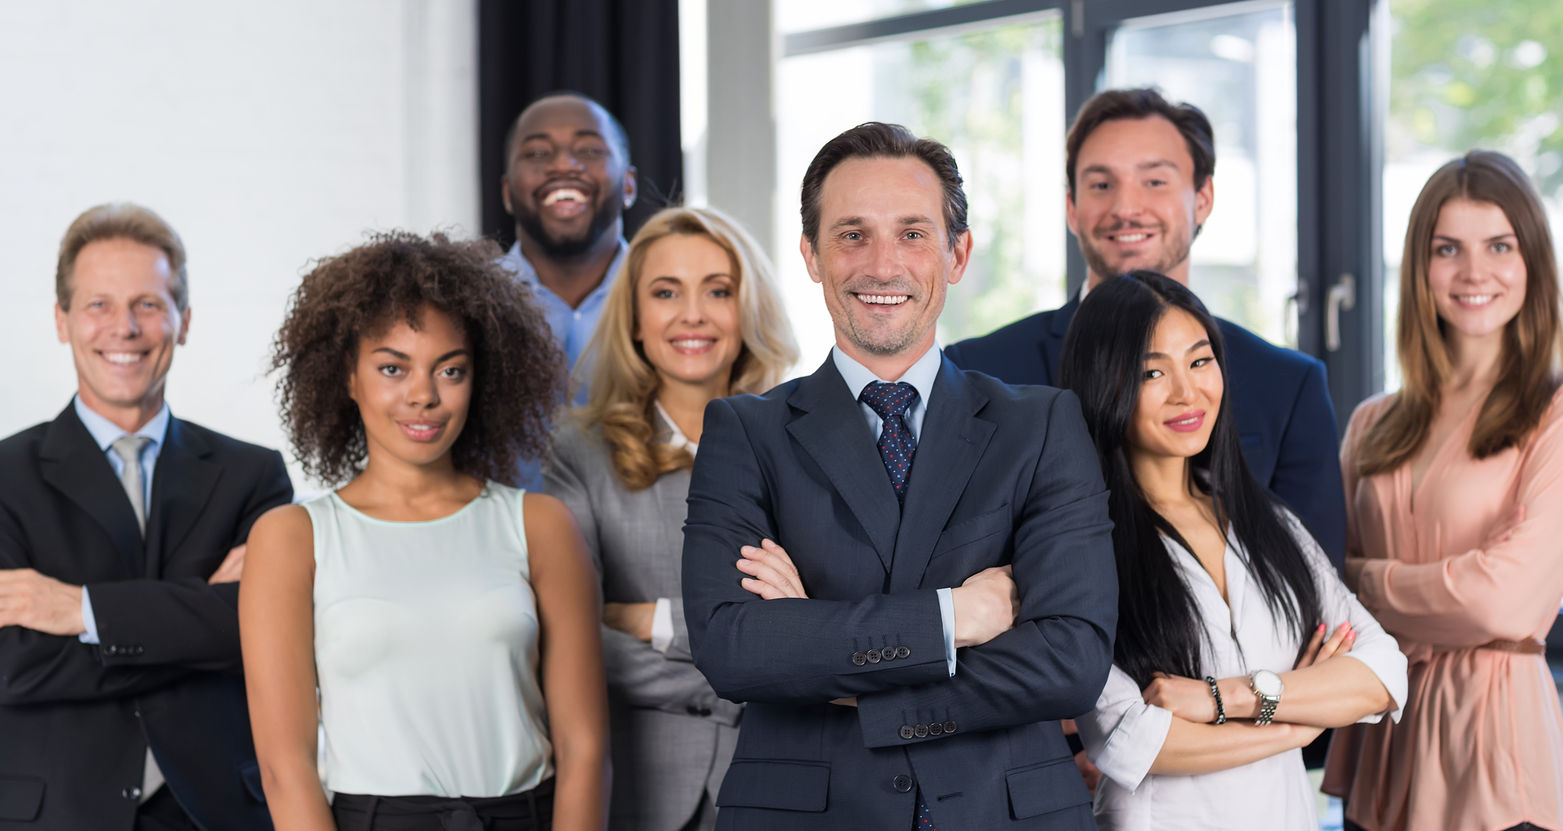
890	402
923	820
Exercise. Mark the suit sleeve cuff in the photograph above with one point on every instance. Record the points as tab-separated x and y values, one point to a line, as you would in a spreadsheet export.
662	625
88	622
947	615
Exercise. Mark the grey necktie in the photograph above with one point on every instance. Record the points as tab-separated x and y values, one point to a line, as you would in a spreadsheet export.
128	449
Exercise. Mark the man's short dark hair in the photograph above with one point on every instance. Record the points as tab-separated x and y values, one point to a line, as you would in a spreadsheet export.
619	137
1144	102
884	141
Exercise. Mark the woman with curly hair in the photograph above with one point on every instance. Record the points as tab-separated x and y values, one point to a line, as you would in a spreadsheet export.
435	608
696	317
1454	502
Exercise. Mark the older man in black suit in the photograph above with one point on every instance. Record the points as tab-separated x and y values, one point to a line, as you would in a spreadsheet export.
121	542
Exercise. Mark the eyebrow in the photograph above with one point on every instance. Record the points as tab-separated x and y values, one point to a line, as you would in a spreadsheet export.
706	279
582	133
1197	346
908	219
406	357
1150	165
1489	239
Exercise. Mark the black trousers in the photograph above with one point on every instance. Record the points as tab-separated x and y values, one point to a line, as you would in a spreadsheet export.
526	811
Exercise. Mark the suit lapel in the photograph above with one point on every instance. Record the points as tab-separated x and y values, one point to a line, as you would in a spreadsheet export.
949	446
181	485
1053	338
831	430
73	464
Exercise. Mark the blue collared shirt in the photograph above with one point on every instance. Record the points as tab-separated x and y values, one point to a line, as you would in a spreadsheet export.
572	326
921	376
105	433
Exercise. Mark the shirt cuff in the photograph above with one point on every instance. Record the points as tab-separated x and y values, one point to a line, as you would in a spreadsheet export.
88	622
947	616
662	625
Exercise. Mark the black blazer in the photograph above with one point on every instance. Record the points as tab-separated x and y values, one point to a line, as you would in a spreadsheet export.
1279	398
1001	475
76	719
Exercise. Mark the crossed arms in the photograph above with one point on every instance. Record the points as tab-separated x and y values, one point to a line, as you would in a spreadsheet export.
1049	664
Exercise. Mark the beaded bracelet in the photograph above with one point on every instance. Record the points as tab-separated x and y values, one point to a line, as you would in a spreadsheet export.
1221	712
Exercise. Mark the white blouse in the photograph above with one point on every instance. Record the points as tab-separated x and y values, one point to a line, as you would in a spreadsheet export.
1123	735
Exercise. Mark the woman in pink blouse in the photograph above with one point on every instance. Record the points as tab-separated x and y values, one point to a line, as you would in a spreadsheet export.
1454	490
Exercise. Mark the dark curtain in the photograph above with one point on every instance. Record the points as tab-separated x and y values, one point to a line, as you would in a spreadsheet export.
623	53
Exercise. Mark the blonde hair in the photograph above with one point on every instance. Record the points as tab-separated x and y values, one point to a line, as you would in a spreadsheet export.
1530	340
121	220
623	387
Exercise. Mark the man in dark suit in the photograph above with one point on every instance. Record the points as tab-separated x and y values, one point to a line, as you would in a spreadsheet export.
940	596
1139	172
122	535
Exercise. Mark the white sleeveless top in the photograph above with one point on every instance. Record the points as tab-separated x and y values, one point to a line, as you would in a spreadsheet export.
426	651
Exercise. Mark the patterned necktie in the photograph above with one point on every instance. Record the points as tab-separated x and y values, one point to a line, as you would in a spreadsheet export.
128	449
896	445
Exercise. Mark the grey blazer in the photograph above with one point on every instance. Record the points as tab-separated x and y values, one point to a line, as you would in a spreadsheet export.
672	738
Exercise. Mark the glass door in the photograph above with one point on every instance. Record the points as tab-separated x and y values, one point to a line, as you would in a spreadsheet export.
1238	64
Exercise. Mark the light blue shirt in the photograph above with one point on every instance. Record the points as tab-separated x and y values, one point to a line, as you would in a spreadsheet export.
105	433
921	376
572	328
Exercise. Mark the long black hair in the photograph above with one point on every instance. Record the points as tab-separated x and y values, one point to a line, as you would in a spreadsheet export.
1104	363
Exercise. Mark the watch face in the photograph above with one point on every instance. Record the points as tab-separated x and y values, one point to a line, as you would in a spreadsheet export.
1267	683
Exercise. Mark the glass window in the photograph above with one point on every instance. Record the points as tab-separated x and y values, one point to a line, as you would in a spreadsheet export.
995	96
1466	74
1239	66
803	15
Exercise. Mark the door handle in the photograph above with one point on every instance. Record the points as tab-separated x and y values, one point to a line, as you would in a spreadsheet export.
1296	307
1342	295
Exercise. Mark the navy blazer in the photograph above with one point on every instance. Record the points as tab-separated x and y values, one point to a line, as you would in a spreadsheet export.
1279	398
76	719
1001	475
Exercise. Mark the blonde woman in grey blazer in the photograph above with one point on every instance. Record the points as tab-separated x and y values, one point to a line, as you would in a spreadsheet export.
695	316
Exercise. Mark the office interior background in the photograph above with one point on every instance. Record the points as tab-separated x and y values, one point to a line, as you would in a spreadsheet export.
273	134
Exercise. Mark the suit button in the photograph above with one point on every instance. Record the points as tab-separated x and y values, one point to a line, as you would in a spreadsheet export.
906	731
903	652
935	729
901	783
131	793
920	731
949	727
137	650
111	649
873	656
859	658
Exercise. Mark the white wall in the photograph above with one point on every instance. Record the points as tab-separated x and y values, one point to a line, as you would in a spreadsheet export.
268	134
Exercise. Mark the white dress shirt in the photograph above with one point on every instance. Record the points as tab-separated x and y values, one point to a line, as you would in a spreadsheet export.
1123	735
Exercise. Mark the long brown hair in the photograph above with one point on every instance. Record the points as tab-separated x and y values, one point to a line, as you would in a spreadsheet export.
1527	376
623	387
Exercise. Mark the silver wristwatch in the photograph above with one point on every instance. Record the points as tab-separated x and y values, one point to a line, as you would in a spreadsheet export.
1267	686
